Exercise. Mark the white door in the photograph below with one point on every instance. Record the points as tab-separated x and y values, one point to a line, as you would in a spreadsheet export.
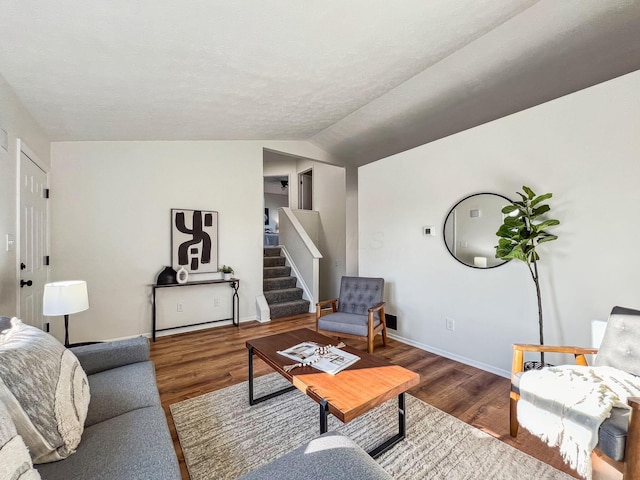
33	241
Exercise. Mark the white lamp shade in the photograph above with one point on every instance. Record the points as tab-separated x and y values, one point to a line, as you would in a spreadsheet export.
64	298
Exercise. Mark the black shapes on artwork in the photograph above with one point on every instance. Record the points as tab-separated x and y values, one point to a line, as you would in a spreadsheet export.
199	236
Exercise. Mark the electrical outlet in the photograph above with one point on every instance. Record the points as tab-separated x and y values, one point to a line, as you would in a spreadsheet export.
179	307
451	324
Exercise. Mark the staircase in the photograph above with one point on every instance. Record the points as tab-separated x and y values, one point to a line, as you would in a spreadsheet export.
279	287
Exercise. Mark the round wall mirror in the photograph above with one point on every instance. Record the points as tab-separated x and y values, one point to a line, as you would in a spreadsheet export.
470	229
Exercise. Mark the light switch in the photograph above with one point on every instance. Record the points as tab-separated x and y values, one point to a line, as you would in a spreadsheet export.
429	231
10	243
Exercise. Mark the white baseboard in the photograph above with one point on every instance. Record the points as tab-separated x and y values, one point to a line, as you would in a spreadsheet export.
451	356
175	331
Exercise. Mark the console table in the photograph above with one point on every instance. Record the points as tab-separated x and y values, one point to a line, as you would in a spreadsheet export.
234	283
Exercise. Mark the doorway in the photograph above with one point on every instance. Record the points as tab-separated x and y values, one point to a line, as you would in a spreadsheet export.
276	195
34	238
305	192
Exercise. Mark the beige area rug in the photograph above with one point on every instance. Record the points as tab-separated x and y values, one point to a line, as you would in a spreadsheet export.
222	437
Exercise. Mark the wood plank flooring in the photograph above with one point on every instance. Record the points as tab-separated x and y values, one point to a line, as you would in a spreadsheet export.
190	364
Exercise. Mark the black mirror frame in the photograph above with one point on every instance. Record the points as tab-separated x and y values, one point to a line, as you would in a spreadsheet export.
444	224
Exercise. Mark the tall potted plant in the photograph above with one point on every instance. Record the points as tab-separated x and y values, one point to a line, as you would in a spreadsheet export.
521	233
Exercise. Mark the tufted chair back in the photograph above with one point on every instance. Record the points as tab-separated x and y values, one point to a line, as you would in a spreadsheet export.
359	294
620	347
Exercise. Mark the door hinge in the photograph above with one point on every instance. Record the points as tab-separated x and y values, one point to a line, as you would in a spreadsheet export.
45	192
46	259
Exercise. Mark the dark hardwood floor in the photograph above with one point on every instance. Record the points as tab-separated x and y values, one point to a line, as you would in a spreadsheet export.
190	364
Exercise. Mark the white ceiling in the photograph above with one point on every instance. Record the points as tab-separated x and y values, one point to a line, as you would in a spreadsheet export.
362	79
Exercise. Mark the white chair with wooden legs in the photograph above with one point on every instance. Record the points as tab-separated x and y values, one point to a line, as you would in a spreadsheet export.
619	435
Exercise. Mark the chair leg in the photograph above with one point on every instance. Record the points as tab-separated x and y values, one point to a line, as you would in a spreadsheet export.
370	334
632	450
513	417
384	327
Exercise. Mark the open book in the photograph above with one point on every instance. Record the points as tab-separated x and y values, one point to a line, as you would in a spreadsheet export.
331	362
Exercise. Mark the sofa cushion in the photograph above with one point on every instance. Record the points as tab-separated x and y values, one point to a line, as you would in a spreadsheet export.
134	445
112	393
44	389
328	457
15	462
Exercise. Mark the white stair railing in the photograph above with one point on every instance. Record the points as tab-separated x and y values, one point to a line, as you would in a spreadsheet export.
302	255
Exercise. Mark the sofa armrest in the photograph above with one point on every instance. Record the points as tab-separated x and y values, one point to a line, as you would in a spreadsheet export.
99	357
330	456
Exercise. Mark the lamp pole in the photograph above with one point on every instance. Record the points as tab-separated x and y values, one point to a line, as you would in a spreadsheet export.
66	330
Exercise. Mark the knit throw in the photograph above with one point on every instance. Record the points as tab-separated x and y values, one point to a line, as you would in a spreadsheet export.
564	406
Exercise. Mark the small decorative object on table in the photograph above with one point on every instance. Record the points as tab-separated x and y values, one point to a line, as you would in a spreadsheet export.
166	277
326	358
182	276
227	271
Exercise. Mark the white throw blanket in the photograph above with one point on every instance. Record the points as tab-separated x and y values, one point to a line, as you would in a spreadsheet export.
564	406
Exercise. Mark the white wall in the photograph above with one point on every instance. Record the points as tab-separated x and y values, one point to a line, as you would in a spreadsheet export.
585	149
329	198
18	123
111	226
351	219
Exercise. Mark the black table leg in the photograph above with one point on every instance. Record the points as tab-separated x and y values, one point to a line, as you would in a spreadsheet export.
153	313
324	416
402	428
235	304
252	400
384	446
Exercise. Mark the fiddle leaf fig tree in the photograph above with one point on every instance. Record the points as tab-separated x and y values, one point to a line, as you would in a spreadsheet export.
522	232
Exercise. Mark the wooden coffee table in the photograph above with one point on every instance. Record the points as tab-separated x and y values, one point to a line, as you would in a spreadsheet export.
364	385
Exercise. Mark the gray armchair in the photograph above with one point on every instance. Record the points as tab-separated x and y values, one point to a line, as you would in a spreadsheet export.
357	313
619	435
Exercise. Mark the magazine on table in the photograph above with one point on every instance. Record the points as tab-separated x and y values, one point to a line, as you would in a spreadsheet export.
331	362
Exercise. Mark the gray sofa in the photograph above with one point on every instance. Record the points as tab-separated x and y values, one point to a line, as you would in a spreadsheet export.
126	433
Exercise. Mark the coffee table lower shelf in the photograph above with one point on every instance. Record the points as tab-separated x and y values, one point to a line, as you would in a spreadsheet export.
324	412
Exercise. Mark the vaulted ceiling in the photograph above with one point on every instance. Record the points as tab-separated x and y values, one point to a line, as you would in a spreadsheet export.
362	79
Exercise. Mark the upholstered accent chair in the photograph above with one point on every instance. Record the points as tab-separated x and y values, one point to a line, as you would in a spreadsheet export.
358	312
619	435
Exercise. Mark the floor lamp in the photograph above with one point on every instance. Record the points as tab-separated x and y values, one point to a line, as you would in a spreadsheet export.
65	298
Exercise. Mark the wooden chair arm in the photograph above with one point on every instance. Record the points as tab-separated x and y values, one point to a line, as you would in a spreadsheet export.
554	349
377	307
519	348
324	303
634	402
